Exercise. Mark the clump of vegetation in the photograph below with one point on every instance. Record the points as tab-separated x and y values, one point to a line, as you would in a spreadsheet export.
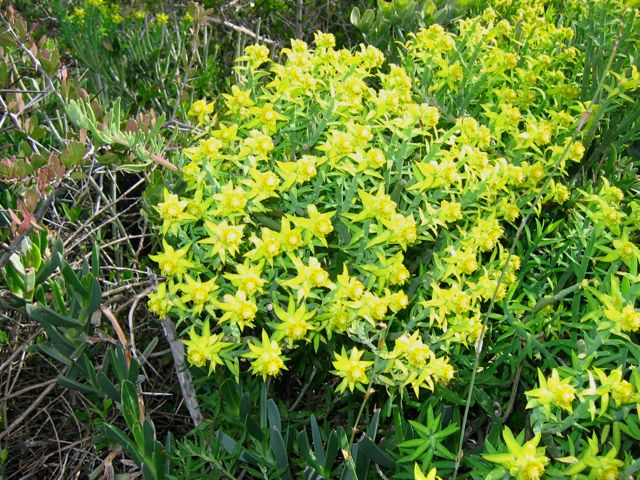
424	253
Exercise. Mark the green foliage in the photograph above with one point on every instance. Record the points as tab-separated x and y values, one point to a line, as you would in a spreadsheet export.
445	226
145	450
394	21
303	196
35	155
263	443
67	305
142	138
144	58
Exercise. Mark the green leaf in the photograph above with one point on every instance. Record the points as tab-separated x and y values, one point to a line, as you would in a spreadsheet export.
355	16
274	415
72	156
73	281
47	316
119	437
106	387
47	269
95	260
280	452
72	214
55	354
228	443
72	384
372	429
373	452
95	297
253	428
317	441
14	273
305	450
149	437
129	404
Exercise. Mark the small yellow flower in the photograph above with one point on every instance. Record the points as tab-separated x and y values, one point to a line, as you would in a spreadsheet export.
294	322
626	250
418	475
348	286
398	274
290	238
200	108
450	211
524	462
297	172
372	307
352	370
258	144
412	347
247	278
267	246
602	467
267	357
379	206
211	147
238	309
171	261
625	317
398	301
324	40
440	369
320	223
224	239
172	212
198	292
256	54
238	99
463	261
403	229
576	151
231	200
552	391
205	348
266	117
308	276
158	302
162	18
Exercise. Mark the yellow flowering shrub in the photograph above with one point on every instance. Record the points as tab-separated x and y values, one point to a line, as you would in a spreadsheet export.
332	199
419	225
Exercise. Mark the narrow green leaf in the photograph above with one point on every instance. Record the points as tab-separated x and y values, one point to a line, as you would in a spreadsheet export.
47	316
280	452
73	281
274	415
119	437
317	441
55	354
106	387
72	384
373	452
129	404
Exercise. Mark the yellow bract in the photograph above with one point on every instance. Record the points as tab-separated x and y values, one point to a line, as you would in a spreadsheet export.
524	462
352	370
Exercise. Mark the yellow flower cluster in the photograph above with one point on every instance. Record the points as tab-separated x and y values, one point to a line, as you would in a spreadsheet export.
331	201
556	392
114	13
524	462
